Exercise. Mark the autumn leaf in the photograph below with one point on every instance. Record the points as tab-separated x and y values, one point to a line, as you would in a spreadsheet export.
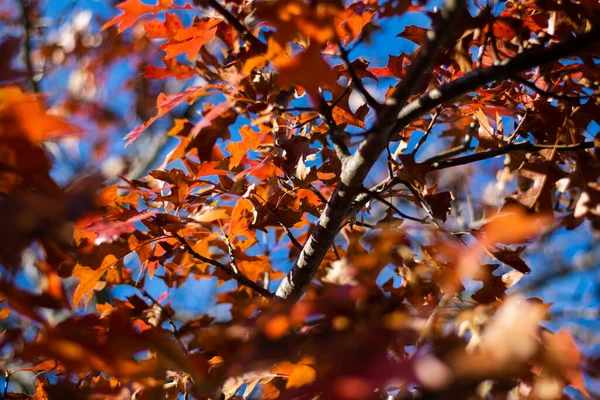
297	374
351	22
165	103
414	33
294	17
250	141
394	67
132	10
23	115
308	70
89	278
188	40
108	231
172	69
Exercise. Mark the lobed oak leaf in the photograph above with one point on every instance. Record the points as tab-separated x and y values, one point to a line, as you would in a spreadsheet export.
415	34
110	230
250	141
360	67
493	288
351	22
156	29
242	216
440	204
209	214
294	17
308	70
89	279
342	116
211	115
394	67
512	258
172	69
165	103
190	40
109	197
513	225
562	351
132	10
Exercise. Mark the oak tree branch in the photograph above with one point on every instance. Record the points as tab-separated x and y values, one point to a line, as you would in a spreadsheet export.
357	166
395	117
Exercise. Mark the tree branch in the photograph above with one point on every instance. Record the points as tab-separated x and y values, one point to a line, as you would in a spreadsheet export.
239	277
357	166
509	148
508	68
27	27
241	29
391	121
356	81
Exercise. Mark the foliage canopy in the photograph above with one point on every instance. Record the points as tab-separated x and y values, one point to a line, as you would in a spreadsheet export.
362	236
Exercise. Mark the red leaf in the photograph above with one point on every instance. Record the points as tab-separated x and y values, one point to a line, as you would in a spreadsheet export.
108	231
165	104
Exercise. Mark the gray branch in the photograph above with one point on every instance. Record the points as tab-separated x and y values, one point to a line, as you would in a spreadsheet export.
357	166
396	116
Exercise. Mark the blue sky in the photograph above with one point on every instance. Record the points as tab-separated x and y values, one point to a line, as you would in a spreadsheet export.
577	290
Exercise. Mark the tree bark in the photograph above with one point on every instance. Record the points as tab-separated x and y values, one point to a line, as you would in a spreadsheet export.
394	117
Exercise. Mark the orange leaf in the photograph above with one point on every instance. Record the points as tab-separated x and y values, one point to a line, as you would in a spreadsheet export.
250	141
88	278
4	313
564	352
132	10
190	40
241	217
513	225
165	104
23	115
173	70
276	327
298	374
307	69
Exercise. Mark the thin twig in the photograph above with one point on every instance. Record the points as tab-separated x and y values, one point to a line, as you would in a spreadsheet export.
239	277
356	81
377	197
231	250
495	53
164	312
444	155
317	193
339	145
546	93
241	29
423	138
27	27
429	325
287	230
335	251
518	129
523	146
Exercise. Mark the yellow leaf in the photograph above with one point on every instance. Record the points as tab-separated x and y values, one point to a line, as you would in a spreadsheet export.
88	278
298	374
